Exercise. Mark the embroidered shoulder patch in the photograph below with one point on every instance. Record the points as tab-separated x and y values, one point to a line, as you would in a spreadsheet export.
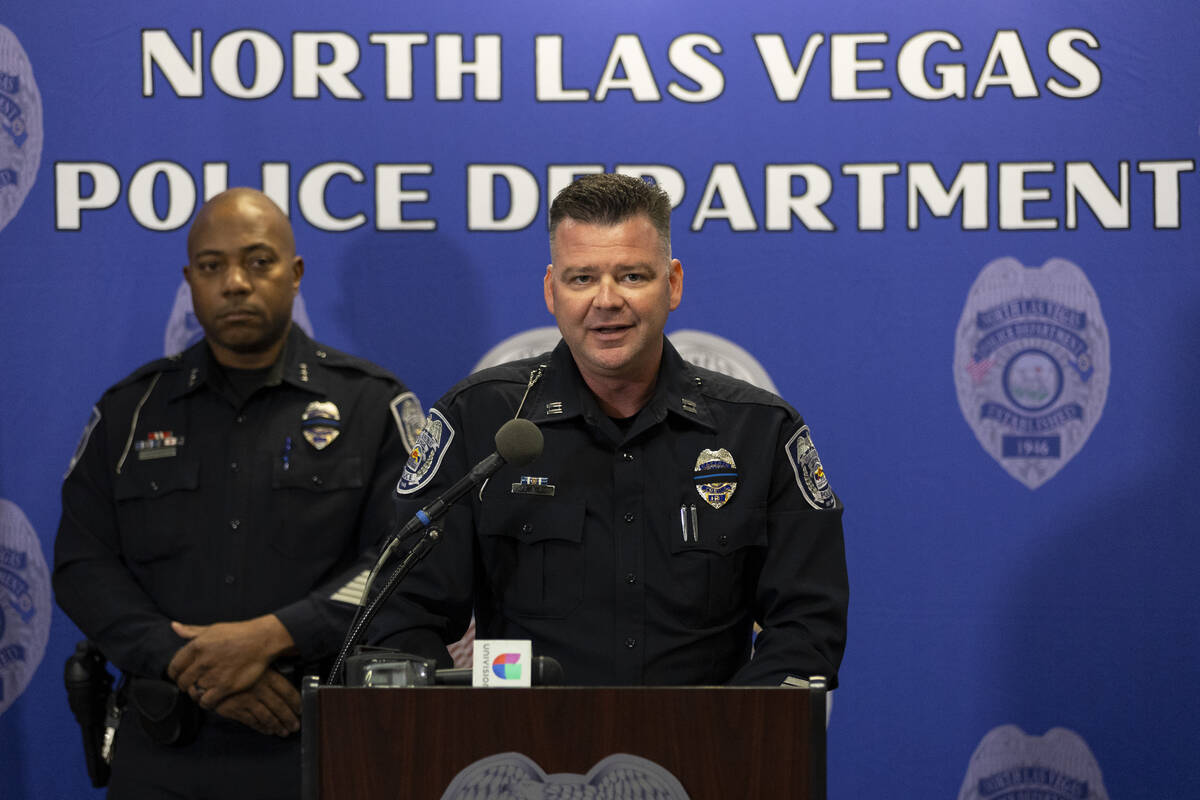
426	455
810	475
406	410
84	438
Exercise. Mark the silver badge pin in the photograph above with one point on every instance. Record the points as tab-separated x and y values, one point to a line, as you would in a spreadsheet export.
716	476
320	423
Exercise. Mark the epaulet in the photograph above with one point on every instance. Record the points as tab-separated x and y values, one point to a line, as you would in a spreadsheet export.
510	372
336	359
167	364
722	387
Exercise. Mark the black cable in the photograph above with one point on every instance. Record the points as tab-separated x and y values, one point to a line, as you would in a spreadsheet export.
362	619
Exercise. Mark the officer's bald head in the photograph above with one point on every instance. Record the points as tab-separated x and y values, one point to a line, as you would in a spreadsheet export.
242	201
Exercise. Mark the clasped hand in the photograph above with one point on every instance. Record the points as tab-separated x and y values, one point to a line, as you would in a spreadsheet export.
270	706
225	658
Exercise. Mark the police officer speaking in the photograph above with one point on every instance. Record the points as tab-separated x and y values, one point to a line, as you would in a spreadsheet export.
672	507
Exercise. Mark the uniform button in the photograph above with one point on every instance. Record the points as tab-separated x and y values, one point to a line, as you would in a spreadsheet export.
527	527
630	516
316	480
627	456
724	540
240	418
230	579
233	466
154	486
235	523
631	578
631	642
698	381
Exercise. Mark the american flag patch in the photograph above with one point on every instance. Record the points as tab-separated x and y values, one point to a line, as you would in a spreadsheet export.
978	369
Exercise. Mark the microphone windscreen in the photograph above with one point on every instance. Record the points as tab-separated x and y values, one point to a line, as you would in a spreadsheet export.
547	671
519	441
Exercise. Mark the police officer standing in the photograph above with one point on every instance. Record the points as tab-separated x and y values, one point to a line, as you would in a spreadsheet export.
217	515
672	507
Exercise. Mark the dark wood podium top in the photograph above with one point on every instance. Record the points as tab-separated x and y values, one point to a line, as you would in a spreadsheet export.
718	742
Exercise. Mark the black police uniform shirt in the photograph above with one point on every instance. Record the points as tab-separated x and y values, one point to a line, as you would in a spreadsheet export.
186	503
633	557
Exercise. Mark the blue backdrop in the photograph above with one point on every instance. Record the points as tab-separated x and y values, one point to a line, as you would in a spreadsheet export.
960	238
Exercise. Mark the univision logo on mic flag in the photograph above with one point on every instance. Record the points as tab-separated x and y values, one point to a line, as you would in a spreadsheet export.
507	666
502	663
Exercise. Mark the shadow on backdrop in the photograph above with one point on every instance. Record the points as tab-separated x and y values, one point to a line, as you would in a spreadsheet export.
1101	619
414	304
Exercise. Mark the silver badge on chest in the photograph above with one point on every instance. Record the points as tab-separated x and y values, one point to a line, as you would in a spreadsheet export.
716	476
320	423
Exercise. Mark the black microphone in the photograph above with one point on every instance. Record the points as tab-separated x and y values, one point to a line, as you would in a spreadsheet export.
546	672
518	442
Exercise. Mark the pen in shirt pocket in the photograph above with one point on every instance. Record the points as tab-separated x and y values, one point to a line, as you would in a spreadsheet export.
687	513
284	457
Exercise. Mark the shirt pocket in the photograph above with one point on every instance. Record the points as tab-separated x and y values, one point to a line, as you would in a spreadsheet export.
532	549
156	506
715	567
318	504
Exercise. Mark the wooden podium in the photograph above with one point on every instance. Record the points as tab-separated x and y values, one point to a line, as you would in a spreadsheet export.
412	742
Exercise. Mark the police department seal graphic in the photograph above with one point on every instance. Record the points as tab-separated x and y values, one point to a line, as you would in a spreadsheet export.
24	603
515	776
525	344
20	126
1031	365
713	352
1009	764
703	349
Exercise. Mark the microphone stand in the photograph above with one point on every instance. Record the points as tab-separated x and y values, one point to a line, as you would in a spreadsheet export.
429	539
